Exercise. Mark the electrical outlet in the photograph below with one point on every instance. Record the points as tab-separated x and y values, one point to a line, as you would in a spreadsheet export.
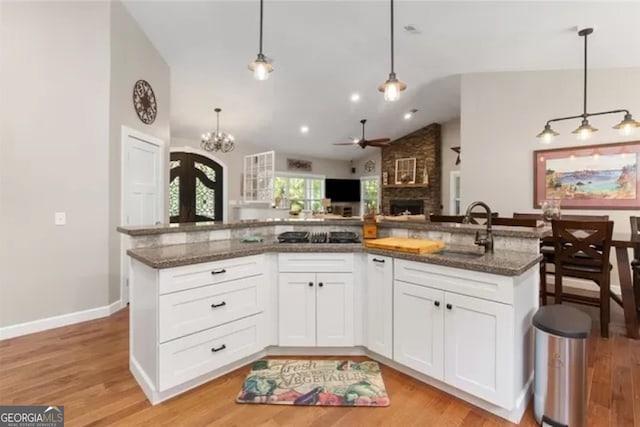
60	218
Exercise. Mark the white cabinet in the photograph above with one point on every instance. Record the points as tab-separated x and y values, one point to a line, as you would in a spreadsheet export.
316	309
297	309
259	177
478	344
315	300
186	323
419	328
379	314
465	341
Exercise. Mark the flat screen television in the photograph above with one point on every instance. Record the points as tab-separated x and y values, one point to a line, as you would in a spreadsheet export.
342	190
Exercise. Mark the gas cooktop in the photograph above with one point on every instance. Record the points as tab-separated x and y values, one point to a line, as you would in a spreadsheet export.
330	237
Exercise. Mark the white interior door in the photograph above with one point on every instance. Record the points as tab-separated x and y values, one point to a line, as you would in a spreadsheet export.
142	189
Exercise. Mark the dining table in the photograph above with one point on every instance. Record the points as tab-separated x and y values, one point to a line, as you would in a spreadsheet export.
621	242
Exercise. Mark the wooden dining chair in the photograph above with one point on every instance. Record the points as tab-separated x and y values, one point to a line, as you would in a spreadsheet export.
446	218
635	263
475	216
515	222
581	250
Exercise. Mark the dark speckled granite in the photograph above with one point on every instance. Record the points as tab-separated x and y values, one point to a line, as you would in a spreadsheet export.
218	225
506	263
410	225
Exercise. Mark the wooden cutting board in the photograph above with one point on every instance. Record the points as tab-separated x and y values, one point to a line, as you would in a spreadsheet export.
404	244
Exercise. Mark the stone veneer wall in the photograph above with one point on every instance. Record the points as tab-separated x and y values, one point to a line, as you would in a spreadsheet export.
425	145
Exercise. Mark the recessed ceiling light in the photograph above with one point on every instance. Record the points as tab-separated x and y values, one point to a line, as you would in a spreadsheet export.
355	97
304	129
408	115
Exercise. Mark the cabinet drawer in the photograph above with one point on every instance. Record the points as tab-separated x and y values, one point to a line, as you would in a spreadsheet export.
316	262
186	312
192	276
186	358
473	283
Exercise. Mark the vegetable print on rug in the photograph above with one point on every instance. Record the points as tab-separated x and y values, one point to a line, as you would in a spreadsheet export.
314	382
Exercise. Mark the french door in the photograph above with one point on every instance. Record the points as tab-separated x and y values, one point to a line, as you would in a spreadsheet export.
195	188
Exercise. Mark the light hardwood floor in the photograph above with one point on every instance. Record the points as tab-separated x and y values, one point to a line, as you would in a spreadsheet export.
85	368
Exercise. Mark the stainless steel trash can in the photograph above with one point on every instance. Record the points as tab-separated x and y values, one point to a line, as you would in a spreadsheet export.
560	381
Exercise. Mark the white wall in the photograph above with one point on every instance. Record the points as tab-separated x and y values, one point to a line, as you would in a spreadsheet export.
234	161
54	139
501	114
133	57
450	138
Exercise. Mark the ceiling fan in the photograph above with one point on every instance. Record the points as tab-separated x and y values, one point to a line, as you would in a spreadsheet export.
363	142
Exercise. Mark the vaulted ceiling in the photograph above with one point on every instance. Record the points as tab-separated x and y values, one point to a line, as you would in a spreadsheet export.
323	51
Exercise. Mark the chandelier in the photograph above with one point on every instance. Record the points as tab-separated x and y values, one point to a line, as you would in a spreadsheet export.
392	87
585	130
217	141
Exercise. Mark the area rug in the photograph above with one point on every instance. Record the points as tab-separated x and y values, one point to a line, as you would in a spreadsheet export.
314	382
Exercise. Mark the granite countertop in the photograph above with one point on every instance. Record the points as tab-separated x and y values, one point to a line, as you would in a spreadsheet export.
506	263
498	230
146	230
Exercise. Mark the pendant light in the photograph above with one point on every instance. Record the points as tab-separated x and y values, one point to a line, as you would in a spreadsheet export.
217	141
585	130
392	87
261	67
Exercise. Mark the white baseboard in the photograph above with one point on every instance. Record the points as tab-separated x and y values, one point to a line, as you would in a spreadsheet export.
58	321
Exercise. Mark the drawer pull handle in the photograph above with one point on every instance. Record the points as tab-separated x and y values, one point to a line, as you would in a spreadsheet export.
449	306
436	303
222	270
378	260
215	350
222	304
321	284
310	284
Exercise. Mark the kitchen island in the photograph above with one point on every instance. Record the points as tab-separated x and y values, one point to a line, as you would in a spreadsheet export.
460	322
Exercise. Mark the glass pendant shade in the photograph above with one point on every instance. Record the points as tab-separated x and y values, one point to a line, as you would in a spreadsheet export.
585	130
547	134
261	68
627	126
392	88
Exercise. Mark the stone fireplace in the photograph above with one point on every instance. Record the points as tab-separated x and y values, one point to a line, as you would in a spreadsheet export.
424	145
399	207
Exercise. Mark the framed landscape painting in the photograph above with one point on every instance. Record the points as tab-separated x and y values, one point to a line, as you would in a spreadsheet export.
589	177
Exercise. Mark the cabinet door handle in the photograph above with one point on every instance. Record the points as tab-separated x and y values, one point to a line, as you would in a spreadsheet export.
449	306
215	350
222	270
436	303
320	284
222	304
310	284
377	260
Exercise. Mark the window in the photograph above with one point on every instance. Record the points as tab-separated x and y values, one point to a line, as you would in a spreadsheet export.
370	194
299	192
454	193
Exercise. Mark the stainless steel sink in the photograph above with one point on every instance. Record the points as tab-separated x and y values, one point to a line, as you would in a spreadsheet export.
460	254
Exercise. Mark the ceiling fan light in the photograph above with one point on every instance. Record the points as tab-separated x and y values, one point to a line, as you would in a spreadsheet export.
585	130
261	68
627	125
547	134
392	88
